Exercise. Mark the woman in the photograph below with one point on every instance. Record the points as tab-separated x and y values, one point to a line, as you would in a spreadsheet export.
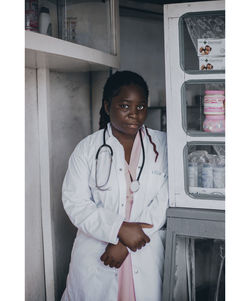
117	197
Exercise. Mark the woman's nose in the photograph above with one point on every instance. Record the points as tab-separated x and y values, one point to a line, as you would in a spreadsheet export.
133	112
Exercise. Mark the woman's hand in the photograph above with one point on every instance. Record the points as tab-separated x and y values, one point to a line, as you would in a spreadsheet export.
114	255
132	235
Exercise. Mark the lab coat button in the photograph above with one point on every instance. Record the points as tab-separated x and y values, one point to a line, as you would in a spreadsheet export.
122	205
120	169
136	271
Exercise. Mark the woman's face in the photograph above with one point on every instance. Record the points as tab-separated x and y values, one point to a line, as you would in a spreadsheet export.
128	110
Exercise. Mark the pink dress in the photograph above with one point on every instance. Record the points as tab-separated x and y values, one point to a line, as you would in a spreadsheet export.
126	290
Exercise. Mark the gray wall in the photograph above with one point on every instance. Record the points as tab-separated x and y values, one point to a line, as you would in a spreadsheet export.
142	51
98	80
70	123
69	114
34	265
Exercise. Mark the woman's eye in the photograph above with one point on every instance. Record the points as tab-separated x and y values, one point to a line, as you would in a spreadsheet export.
124	106
140	107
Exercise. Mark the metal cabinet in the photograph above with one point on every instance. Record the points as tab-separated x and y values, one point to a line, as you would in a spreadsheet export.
194	267
196	135
195	255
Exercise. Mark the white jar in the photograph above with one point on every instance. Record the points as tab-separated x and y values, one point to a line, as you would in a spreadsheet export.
45	22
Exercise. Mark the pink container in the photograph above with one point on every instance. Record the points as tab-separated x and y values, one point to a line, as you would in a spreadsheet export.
214	102
214	124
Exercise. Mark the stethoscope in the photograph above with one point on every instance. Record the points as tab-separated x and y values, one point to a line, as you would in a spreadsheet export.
135	184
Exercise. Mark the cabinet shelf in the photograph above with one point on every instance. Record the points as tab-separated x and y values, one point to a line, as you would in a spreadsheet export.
59	55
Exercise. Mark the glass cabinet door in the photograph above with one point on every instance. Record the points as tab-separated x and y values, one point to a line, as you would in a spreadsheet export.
199	269
203	107
86	22
205	170
202	42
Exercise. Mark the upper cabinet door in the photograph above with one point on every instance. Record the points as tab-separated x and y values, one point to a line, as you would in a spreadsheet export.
58	27
202	42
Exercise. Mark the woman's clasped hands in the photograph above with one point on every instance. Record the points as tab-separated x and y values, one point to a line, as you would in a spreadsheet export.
130	235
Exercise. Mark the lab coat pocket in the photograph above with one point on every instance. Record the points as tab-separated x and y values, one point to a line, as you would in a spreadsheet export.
155	182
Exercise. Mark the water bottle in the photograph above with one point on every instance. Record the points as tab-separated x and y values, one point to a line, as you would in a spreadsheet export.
192	174
219	176
207	175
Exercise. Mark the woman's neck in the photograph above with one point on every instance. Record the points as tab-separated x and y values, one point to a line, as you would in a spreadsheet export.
126	141
122	137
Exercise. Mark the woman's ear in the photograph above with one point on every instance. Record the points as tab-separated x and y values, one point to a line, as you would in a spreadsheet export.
106	107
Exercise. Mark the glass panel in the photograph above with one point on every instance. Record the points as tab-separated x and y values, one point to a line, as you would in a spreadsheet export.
85	22
205	165
202	42
199	269
203	105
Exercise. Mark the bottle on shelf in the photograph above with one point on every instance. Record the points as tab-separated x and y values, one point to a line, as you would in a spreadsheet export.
45	21
31	15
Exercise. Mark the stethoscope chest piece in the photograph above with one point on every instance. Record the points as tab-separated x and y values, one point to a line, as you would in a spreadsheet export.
134	186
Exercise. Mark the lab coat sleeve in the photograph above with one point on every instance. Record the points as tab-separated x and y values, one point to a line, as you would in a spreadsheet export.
97	222
155	212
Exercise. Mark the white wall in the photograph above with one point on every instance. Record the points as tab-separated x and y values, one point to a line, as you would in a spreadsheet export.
34	265
142	51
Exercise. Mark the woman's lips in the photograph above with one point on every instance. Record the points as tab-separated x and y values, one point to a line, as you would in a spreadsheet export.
133	126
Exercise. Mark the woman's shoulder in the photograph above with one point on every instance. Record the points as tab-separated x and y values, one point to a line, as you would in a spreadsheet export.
158	136
88	143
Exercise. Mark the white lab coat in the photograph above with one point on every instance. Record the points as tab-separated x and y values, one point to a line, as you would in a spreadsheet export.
98	216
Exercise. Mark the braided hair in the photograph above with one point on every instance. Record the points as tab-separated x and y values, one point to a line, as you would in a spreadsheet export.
113	87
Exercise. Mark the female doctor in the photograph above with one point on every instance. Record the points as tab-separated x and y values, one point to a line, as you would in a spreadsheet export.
115	192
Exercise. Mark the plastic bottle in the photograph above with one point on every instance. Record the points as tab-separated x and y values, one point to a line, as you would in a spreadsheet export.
31	15
219	172
45	22
219	176
207	175
192	174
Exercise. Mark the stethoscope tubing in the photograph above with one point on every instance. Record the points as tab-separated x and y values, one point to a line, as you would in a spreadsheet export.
100	187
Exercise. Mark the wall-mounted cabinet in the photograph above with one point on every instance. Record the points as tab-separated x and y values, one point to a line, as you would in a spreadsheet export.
195	32
84	36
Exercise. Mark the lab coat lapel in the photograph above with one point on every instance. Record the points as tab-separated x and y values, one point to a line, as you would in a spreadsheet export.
139	197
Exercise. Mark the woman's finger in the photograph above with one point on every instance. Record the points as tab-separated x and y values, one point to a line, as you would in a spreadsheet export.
112	263
103	257
118	264
145	225
106	261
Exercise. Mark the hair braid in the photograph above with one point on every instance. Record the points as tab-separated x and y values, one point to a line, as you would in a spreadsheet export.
154	145
104	117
